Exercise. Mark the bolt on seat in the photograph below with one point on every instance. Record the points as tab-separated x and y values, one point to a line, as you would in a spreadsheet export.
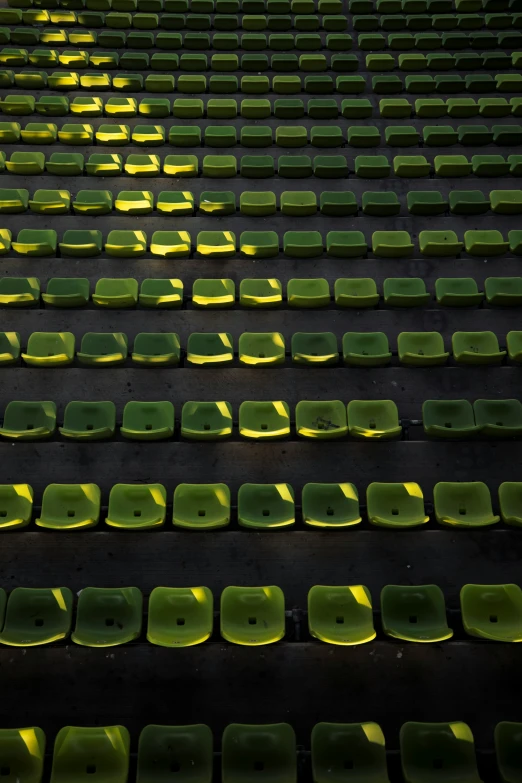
341	615
263	506
492	612
37	616
414	613
463	504
396	505
137	506
201	506
258	752
206	420
179	617
148	420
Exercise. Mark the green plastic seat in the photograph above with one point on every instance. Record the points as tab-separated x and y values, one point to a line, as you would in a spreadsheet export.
476	348
263	420
259	349
13	200
188	749
148	420
506	202
492	612
10	348
338	747
103	349
373	419
330	505
175	202
253	616
116	292
49	349
302	244
121	107
104	164
263	506
439	243
101	752
468	202
201	506
489	242
366	349
89	420
22	752
213	293
177	617
356	292
70	506
206	420
81	243
452	166
298	203
507	746
414	613
269	747
315	348
399	505
52	105
457	291
321	419
210	348
436	751
161	293
16	506
35	242
50	202
142	166
510	501
380	204
217	203
130	202
133	507
171	244
346	244
421	349
156	348
216	244
129	243
19	291
338	204
260	292
514	346
37	616
391	244
308	292
499	418
405	292
340	615
28	420
463	504
257	204
220	166
449	419
93	202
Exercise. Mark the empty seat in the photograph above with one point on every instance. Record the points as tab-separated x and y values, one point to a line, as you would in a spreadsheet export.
67	292
428	748
421	349
308	292
93	202
302	244
259	349
148	420
116	292
366	349
270	748
463	504
392	244
29	420
16	506
457	291
449	419
315	348
36	242
134	506
70	506
103	349
260	292
373	419
266	505
49	349
206	420
396	505
439	243
177	617
89	420
214	293
264	420
156	348
19	291
321	419
330	505
510	500
488	242
104	749
492	612
187	748
356	292
22	751
360	745
499	418
340	615
476	348
414	613
253	616
210	348
201	506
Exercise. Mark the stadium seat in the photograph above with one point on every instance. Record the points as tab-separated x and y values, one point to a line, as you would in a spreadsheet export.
439	243
330	505
177	617
510	497
476	348
356	292
148	420
458	291
308	292
156	348
103	349
22	751
19	291
421	349
366	349
210	348
187	748
133	507
116	292
70	507
492	612
360	745
35	242
414	613
201	506
104	749
260	349
373	419
396	505
16	504
449	419
507	742
81	243
263	420
252	616
428	748
93	202
499	418
340	615
321	419
405	292
161	293
381	204
206	420
315	348
260	292
392	244
89	420
29	420
49	349
265	505
463	504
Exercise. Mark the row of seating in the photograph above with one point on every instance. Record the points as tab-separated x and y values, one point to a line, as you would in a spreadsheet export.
257	349
285	135
133	243
253	616
259	752
220	293
441	22
104	164
259	506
